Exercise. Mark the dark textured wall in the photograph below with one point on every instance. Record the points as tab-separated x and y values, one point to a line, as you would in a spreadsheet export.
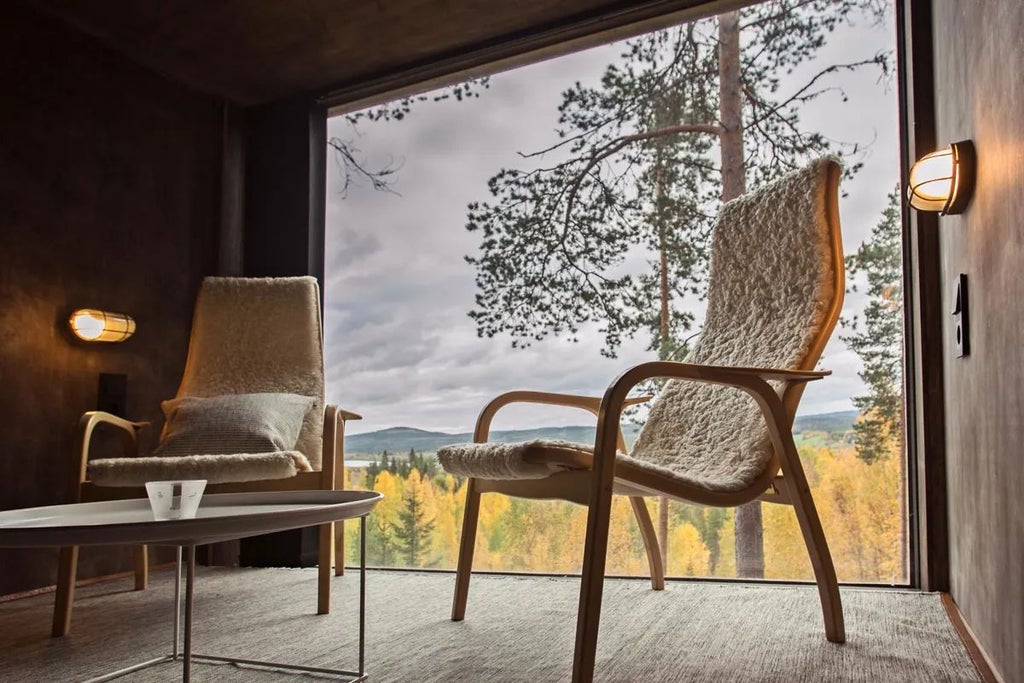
109	198
979	55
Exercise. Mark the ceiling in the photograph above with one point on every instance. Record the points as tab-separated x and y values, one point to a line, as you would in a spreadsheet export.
256	51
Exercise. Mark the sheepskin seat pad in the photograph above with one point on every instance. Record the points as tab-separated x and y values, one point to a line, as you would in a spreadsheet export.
215	469
505	460
770	289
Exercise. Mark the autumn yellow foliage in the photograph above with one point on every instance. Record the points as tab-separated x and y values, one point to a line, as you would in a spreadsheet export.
860	505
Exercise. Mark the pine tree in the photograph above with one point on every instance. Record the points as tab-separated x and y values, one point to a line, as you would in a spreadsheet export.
382	525
688	117
423	463
877	337
414	530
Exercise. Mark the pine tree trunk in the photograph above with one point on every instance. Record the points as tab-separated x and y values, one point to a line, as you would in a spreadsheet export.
730	86
749	527
664	349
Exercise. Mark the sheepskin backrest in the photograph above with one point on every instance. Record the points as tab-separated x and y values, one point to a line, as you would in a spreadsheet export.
772	294
260	335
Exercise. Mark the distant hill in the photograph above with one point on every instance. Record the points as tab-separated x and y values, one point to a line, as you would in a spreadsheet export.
398	440
834	423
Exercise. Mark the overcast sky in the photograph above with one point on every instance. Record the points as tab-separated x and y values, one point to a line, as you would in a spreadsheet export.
400	348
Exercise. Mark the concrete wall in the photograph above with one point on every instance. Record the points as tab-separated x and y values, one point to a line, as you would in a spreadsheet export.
109	198
979	57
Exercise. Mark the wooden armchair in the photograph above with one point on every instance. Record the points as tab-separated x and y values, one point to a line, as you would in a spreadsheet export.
720	431
253	339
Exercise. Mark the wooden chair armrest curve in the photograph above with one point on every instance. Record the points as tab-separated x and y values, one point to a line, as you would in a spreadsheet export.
589	403
697	372
348	415
754	381
333	455
96	417
750	380
87	425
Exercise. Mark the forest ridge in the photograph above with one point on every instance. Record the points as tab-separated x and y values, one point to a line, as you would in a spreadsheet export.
400	440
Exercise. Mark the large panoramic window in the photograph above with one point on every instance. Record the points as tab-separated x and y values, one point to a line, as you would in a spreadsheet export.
548	227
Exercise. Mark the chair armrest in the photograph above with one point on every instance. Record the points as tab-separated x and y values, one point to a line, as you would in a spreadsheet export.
769	374
589	403
96	417
348	415
332	462
87	425
713	373
754	381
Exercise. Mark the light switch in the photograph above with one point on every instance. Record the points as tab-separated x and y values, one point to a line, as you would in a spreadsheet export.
961	327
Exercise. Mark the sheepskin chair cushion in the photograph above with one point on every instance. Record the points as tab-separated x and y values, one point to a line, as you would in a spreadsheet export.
259	335
771	285
503	460
238	437
215	469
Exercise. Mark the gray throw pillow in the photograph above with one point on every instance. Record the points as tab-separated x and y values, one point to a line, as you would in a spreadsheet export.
234	423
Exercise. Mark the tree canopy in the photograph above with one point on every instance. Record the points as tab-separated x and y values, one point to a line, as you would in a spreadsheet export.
876	336
684	120
642	161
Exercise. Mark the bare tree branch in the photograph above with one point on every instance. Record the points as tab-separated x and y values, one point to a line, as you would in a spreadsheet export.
354	168
799	96
611	148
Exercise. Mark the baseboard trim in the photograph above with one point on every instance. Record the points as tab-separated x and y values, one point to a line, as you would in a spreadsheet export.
79	583
979	657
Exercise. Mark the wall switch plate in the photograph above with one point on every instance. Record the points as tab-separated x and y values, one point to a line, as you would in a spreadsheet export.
961	327
112	396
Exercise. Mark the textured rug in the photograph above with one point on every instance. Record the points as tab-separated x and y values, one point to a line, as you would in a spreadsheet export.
516	629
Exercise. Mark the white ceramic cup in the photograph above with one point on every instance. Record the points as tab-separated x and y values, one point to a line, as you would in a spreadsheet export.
175	499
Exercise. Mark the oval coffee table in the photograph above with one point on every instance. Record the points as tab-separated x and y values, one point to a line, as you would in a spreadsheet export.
221	517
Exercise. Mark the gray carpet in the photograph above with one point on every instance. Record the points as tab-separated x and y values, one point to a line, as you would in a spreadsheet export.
516	629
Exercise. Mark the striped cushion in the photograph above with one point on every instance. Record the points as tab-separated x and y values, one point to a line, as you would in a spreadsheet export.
236	423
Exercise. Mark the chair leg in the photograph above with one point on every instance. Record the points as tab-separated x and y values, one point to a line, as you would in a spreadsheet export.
339	549
821	560
325	553
465	566
141	567
67	569
647	533
588	618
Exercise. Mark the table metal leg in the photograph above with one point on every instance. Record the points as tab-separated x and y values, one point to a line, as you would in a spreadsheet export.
186	656
177	603
362	591
190	579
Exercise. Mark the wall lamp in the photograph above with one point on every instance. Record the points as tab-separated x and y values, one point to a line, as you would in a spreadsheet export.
943	181
93	325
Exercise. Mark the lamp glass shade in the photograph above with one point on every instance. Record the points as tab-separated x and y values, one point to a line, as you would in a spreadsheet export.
91	324
943	180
